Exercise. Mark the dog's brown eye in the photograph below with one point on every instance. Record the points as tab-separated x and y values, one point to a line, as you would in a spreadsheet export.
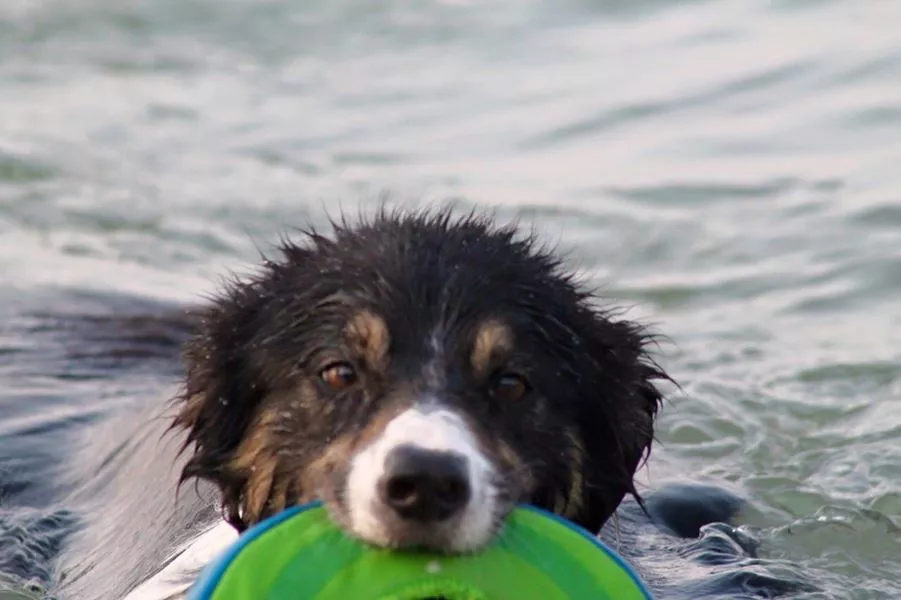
338	376
510	387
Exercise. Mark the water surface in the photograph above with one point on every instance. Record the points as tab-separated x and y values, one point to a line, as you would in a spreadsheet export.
729	169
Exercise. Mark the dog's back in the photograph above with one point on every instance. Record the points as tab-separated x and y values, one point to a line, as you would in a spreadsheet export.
135	518
120	478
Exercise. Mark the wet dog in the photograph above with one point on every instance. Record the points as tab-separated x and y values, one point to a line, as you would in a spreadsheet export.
421	374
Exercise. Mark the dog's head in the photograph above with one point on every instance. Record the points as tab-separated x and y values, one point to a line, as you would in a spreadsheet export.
421	374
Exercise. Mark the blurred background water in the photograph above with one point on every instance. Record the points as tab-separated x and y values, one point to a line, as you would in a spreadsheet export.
730	169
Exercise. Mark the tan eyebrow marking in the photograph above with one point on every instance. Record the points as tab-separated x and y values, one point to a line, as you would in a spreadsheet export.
367	334
492	338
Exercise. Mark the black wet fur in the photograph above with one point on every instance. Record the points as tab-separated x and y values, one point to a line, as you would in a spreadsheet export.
426	272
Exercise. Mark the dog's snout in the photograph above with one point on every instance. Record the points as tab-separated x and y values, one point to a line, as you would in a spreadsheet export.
425	485
424	482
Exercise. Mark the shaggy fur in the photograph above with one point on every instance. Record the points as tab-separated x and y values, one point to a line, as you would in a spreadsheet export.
560	396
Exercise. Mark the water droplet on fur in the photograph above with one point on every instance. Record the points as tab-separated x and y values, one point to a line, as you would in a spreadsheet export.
223	401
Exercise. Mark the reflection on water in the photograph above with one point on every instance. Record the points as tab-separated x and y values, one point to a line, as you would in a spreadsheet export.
727	167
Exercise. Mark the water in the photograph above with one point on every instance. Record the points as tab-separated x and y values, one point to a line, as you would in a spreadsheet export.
728	169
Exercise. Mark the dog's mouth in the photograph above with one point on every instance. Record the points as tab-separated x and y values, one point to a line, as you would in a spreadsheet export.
423	484
468	529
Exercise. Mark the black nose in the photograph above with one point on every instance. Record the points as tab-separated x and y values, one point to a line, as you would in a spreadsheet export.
424	485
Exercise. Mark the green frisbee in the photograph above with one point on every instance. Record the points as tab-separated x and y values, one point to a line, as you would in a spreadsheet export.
300	554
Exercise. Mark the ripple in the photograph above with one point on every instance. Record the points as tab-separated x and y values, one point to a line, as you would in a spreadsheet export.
28	539
887	215
707	193
20	170
875	373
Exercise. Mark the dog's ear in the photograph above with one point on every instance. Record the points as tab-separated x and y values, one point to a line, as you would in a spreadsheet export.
220	393
618	403
224	381
230	371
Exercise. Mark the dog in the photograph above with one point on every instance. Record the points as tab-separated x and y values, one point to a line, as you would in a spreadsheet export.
420	373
